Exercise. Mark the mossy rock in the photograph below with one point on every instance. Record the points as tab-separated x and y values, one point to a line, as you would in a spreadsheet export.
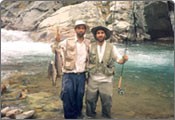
43	100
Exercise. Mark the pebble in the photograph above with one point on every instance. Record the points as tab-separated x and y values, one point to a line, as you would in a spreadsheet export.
5	110
16	113
3	88
13	112
22	94
25	115
5	118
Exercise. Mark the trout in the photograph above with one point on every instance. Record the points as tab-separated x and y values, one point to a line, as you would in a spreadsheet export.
52	74
58	63
55	67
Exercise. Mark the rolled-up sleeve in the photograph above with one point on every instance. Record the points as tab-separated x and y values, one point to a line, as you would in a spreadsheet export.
116	54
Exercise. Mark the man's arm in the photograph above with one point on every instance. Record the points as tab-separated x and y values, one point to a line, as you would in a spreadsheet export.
55	44
119	59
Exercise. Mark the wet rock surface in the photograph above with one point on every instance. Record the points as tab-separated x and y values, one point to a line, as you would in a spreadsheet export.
142	20
38	98
26	14
16	113
42	100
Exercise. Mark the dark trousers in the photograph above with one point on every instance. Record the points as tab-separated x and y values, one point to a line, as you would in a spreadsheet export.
72	94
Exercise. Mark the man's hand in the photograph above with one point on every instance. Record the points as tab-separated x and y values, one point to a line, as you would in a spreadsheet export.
57	38
124	59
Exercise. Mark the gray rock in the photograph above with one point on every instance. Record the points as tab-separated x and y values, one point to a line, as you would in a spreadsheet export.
69	2
25	115
28	17
119	19
142	17
171	12
42	100
13	112
109	19
66	16
146	21
5	110
104	3
153	18
5	118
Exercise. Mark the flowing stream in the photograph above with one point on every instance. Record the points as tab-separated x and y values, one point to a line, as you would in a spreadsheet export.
148	81
148	78
20	54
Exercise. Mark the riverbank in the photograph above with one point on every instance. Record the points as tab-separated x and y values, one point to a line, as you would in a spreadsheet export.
42	97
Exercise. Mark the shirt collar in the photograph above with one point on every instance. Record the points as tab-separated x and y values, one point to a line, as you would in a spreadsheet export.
76	38
104	44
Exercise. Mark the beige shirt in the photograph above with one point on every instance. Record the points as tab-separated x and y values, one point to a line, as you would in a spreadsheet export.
100	50
80	62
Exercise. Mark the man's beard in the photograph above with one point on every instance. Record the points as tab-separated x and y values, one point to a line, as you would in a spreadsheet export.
80	34
101	40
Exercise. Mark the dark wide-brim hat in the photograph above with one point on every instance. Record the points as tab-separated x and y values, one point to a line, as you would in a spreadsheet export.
106	30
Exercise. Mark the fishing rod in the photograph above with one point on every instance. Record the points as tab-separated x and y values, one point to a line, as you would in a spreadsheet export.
121	91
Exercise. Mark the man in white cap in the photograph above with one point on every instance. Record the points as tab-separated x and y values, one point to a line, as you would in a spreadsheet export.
102	56
75	57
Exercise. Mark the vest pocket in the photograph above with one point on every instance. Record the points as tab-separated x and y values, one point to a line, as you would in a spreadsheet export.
70	54
92	58
69	65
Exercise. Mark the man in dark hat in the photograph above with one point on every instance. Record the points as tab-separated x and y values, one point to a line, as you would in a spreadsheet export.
102	56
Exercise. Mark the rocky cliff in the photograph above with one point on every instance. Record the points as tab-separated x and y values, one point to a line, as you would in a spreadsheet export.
142	20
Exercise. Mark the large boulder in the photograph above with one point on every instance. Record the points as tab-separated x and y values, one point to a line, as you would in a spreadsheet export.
26	15
48	34
13	8
171	12
153	18
65	18
146	20
119	20
138	21
139	32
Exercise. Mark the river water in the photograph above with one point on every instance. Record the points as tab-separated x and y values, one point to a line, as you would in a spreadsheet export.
148	81
20	54
148	78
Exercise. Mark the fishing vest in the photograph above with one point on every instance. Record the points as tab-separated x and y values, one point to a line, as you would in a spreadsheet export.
70	53
107	64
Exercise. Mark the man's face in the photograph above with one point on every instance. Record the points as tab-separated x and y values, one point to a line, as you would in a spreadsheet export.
80	30
100	35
